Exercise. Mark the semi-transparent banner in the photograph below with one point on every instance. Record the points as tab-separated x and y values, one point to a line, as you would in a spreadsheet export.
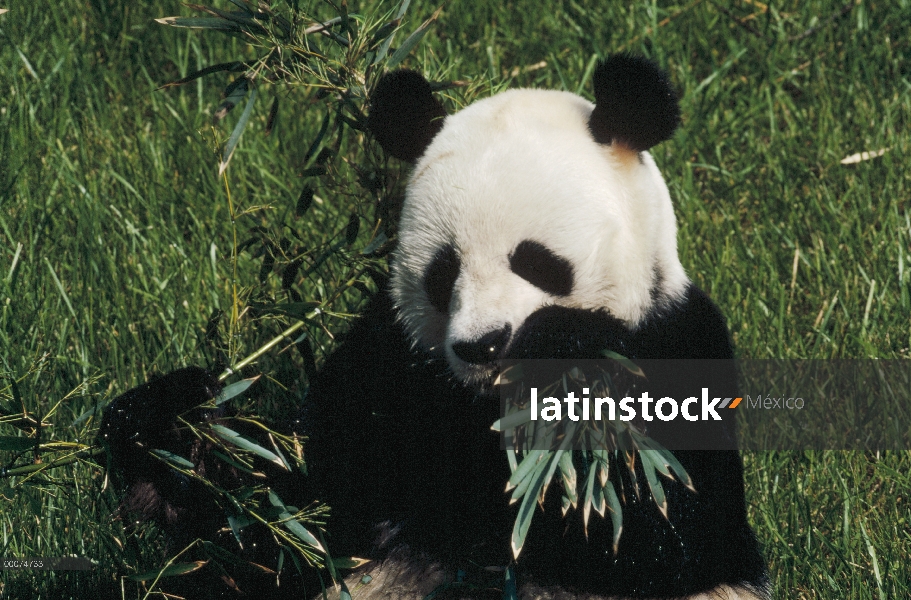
706	404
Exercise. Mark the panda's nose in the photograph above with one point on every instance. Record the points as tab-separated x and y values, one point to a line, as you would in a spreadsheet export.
485	349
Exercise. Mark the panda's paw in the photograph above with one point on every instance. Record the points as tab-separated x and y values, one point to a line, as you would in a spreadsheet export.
722	592
399	576
142	416
145	418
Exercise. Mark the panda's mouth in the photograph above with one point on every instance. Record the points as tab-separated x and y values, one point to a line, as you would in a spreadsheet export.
477	377
484	350
475	362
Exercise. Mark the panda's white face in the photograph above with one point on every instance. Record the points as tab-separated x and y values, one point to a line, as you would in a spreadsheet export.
514	206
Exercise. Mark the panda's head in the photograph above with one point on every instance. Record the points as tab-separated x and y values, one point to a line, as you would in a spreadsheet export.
527	199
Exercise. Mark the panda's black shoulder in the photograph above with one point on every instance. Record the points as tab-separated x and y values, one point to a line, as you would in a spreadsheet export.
373	362
691	326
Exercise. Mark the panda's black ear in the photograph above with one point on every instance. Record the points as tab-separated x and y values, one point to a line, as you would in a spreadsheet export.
404	115
635	104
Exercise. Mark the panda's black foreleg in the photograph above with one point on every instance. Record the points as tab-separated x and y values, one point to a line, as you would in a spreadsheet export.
143	419
705	542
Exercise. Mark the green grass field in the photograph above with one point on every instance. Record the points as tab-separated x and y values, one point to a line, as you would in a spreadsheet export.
117	235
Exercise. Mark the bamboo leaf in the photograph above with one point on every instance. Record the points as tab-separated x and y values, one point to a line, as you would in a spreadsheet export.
402	9
566	504
511	457
235	135
527	508
657	462
236	524
678	469
375	244
568	471
292	524
558	456
235	389
317	171
304	201
513	420
231	67
384	36
510	588
598	500
603	465
625	363
648	466
170	571
234	93
510	374
242	5
314	147
616	513
173	458
241	442
352	229
244	19
273	114
200	23
525	467
589	496
411	41
88	414
350	562
523	487
666	458
236	464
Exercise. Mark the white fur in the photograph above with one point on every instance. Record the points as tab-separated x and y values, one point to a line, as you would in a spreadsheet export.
405	577
523	165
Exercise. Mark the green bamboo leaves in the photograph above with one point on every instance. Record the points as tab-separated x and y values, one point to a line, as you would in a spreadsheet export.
537	451
292	53
235	135
411	41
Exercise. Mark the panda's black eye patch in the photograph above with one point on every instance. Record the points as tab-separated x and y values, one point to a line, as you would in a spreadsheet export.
540	267
441	276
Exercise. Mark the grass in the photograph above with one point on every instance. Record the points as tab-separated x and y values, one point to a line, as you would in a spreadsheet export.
116	235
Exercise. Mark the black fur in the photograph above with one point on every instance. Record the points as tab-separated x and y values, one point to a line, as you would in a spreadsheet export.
635	104
441	276
404	115
145	418
537	264
393	438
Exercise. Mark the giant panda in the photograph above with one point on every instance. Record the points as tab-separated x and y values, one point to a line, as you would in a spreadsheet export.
535	225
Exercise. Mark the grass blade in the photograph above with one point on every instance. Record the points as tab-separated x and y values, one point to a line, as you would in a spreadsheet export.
62	291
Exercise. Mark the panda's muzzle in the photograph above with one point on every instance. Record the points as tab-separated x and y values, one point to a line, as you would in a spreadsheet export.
484	350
